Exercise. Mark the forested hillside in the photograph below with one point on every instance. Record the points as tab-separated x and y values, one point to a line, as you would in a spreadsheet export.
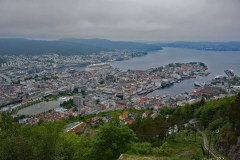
38	47
68	46
145	137
220	119
121	45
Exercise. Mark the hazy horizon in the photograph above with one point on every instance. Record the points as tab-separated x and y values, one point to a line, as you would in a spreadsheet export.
122	20
139	41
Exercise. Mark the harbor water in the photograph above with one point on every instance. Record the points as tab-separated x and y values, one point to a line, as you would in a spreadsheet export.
217	62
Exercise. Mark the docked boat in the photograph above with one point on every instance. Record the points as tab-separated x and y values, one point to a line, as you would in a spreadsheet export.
97	66
229	73
196	84
219	77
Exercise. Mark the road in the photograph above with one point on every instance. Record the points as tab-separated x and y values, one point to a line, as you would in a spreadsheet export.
206	145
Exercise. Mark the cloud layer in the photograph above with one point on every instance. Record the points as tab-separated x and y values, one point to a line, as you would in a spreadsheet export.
148	20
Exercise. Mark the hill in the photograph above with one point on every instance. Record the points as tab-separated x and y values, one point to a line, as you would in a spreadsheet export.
219	119
68	46
37	47
114	44
146	138
71	46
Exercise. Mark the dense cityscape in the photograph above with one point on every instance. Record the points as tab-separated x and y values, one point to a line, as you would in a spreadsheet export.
99	87
88	91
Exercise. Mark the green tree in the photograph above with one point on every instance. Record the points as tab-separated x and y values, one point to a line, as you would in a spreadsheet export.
45	138
144	148
73	147
111	140
101	82
75	109
37	142
234	115
68	104
163	150
150	130
97	101
83	92
6	121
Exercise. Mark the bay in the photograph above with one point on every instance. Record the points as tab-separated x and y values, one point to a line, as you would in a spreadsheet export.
217	62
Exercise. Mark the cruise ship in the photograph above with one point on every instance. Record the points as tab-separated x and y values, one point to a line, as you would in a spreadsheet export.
98	66
219	77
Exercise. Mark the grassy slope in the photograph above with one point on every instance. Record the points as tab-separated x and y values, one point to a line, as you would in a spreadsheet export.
184	147
181	147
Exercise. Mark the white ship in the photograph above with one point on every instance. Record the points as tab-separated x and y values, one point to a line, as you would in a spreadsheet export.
219	77
98	66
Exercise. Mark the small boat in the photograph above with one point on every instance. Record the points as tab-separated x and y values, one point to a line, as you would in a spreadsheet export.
219	77
196	84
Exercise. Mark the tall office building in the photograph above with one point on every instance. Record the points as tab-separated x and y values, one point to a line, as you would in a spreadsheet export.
78	101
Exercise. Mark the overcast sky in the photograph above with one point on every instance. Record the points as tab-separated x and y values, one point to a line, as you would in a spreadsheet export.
146	20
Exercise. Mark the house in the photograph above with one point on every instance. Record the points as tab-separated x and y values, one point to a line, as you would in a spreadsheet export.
93	120
107	118
23	121
130	122
205	91
60	109
133	116
145	114
123	122
76	127
122	103
123	116
193	122
154	115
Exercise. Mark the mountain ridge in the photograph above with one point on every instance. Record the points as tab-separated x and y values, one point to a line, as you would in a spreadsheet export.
114	44
17	46
37	47
75	46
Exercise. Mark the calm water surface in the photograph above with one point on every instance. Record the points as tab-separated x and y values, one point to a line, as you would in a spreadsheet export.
42	106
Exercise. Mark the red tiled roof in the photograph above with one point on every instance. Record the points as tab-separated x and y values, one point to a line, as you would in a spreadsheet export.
129	121
123	116
147	113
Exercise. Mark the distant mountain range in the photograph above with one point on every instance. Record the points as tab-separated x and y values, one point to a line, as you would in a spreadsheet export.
68	46
71	46
36	47
209	46
120	45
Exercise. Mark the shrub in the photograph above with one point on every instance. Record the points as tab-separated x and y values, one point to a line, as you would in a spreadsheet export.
164	150
216	124
141	149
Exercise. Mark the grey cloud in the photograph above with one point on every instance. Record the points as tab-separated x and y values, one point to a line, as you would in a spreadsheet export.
153	20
